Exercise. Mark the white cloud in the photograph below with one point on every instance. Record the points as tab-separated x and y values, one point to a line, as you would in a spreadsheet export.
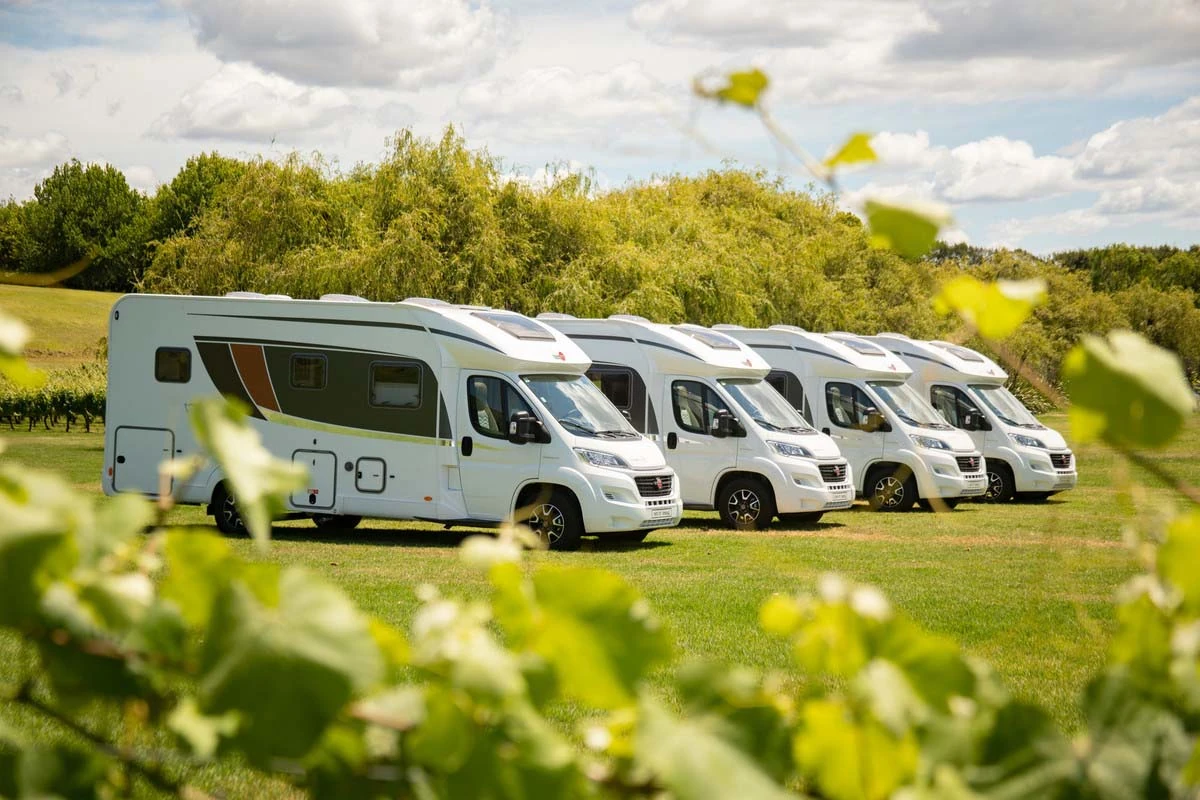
33	151
555	103
142	178
378	43
241	102
1166	145
547	176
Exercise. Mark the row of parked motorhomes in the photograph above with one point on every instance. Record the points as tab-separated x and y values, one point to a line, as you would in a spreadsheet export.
466	415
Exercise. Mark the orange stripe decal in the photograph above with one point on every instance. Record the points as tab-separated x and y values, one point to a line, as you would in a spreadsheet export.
252	366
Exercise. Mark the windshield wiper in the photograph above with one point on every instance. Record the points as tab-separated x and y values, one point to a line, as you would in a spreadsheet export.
570	423
619	434
768	425
800	429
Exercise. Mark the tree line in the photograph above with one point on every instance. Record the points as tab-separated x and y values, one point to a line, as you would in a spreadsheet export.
437	218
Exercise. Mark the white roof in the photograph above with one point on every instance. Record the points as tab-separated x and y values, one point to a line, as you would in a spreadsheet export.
840	354
939	360
686	349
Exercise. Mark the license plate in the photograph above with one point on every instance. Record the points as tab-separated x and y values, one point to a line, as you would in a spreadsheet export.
662	513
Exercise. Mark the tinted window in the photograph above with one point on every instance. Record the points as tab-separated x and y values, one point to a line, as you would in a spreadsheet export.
789	386
172	365
695	406
396	385
491	403
952	404
847	405
614	384
308	372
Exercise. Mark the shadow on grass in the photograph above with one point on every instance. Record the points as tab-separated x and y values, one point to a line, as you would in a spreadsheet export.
426	537
714	523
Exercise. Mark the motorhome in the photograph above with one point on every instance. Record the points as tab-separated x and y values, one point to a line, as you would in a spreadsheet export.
1024	457
901	451
736	445
408	410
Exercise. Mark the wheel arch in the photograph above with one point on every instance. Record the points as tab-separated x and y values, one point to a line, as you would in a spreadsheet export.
733	475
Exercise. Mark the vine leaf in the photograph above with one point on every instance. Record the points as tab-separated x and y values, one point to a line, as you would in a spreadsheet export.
995	309
742	88
910	229
259	480
856	150
1126	391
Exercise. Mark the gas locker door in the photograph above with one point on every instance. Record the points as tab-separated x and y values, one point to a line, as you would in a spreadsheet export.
137	454
321	489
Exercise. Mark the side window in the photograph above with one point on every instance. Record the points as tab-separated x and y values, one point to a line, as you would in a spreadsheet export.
172	365
695	406
789	386
308	371
491	402
847	405
953	404
615	385
395	384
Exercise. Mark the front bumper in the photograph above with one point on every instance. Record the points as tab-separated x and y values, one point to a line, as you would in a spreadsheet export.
801	488
943	478
617	505
1038	472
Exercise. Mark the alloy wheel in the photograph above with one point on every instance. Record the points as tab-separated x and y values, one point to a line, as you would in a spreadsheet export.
548	520
890	491
744	507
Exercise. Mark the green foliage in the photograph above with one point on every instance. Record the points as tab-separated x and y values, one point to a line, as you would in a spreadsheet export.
1126	391
908	230
995	310
856	150
743	88
63	396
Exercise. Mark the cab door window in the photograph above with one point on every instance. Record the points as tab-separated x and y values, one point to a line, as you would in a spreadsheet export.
789	386
953	404
491	402
695	406
848	406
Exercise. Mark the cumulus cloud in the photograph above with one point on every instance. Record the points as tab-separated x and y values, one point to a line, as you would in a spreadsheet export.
241	102
554	103
365	43
142	178
10	93
32	151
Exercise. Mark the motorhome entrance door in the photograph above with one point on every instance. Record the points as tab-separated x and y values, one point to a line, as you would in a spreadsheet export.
490	466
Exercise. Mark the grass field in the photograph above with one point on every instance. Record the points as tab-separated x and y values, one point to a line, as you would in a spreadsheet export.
1028	587
67	324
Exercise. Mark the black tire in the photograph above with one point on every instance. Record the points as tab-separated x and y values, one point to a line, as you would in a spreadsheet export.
807	518
556	519
945	503
1001	487
892	489
1036	497
225	512
746	504
336	522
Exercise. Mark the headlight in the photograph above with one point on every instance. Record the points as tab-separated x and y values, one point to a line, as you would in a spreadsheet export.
790	450
929	443
599	458
1027	441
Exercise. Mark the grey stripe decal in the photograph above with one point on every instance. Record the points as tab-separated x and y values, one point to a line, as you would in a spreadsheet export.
465	339
318	320
281	343
924	358
636	341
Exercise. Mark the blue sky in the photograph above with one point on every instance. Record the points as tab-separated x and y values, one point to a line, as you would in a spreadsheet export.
1042	125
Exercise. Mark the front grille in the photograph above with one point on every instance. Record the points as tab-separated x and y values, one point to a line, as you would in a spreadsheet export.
968	463
833	473
1061	460
653	485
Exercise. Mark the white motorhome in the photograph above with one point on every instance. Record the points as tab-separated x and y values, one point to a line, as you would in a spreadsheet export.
1024	457
409	410
901	451
736	445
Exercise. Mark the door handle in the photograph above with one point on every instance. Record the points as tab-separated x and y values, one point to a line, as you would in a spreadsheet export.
468	446
672	440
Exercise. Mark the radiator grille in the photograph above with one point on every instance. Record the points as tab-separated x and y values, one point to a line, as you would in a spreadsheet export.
833	473
968	463
1061	460
654	485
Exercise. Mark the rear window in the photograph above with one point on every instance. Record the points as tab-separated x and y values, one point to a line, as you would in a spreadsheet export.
396	385
172	365
308	371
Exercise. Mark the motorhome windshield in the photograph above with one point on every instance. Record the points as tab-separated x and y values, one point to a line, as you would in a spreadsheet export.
765	405
1008	408
908	405
579	406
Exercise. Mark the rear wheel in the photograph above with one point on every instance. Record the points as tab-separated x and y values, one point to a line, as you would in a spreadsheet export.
892	489
1001	488
336	522
745	504
225	511
1036	497
808	518
944	504
557	521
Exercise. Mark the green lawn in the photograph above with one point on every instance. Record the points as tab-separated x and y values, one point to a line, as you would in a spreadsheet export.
67	324
1027	587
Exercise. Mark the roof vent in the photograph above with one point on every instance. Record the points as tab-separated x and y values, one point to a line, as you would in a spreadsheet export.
893	335
246	295
724	326
426	301
628	318
554	315
789	328
343	298
279	297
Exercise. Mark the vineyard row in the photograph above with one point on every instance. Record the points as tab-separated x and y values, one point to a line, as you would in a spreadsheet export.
68	396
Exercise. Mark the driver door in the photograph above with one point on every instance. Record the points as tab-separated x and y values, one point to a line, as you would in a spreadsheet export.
491	467
697	456
847	407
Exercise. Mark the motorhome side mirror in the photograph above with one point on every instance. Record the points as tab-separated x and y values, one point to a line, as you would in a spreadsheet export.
524	427
625	414
725	424
876	422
